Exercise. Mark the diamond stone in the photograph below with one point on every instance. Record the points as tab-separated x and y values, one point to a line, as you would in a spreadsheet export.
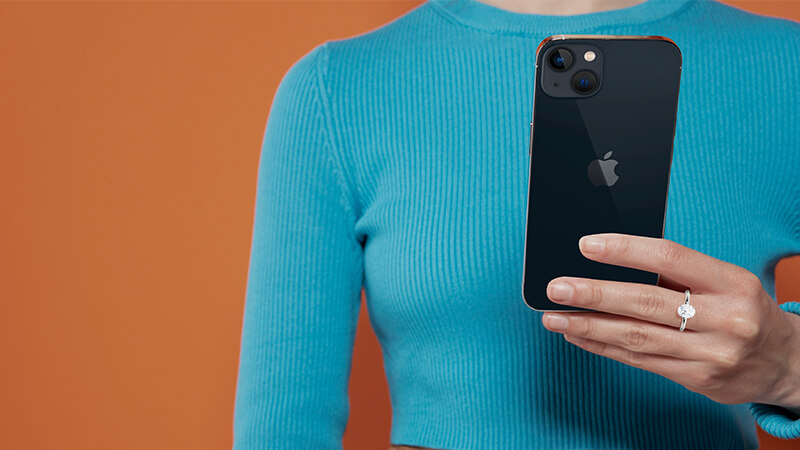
686	311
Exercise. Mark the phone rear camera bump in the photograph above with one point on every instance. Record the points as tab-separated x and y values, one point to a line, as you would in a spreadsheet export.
570	69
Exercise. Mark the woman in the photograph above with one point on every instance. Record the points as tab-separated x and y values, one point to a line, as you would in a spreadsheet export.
397	161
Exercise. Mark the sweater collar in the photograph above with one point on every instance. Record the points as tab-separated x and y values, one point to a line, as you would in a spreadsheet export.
493	19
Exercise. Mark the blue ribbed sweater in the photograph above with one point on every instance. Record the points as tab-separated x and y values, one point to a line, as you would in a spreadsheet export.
397	160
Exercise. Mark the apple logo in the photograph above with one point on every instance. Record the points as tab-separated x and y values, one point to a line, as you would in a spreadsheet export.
601	171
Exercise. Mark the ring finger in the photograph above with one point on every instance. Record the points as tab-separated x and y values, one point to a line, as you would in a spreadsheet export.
640	301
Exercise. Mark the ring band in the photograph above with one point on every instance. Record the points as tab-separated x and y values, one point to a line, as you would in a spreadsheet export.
686	311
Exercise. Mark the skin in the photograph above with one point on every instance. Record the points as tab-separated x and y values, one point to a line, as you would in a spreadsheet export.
560	7
739	347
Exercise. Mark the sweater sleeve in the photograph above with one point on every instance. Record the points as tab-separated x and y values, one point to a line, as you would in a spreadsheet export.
304	280
775	420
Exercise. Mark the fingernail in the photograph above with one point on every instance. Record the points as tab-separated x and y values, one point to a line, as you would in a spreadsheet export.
560	290
556	322
592	244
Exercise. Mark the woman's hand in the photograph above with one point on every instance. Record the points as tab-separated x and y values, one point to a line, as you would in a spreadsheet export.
739	347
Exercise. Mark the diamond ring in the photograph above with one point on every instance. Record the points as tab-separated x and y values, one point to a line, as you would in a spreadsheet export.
686	311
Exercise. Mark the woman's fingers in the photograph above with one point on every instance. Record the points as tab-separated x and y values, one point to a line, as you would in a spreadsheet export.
678	263
635	335
640	301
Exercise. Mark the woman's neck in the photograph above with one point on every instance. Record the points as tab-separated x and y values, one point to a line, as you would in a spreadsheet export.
560	7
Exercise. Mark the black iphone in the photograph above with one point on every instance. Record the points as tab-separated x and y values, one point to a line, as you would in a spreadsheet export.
604	114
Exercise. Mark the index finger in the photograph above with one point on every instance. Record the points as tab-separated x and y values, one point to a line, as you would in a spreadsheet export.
677	262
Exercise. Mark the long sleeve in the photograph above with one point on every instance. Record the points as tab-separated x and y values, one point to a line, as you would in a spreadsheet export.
778	421
773	419
304	279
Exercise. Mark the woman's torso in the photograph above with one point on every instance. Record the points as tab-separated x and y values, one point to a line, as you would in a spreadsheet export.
432	119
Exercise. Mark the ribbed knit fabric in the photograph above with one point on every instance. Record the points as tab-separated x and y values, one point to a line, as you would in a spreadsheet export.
773	419
398	160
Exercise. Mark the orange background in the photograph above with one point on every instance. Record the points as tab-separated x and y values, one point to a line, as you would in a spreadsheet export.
130	141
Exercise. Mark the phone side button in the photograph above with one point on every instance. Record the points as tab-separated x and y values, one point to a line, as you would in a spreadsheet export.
530	139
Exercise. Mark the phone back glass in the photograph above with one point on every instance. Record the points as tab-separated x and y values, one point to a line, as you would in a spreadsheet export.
632	116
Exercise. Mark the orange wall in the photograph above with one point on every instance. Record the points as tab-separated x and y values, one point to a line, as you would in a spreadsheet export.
130	142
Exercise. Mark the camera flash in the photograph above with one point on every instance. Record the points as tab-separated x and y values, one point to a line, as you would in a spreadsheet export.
589	56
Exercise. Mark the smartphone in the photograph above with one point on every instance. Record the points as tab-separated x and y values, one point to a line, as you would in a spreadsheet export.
604	111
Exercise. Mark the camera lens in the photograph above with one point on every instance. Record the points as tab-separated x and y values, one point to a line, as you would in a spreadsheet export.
560	59
584	82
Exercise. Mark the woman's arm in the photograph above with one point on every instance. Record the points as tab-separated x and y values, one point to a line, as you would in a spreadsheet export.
304	281
782	421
